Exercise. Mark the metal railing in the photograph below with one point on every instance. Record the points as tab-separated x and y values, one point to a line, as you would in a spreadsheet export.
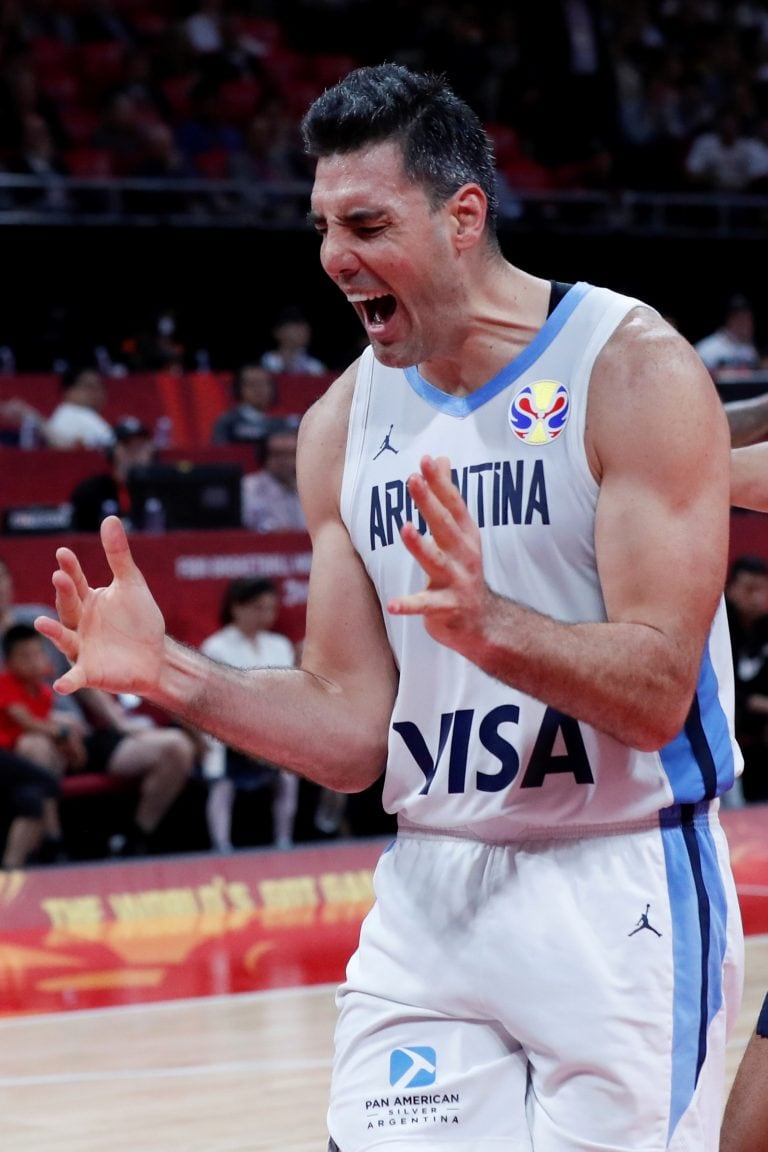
145	202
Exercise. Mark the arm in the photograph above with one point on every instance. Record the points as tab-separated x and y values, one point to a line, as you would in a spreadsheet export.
747	419
661	546
749	477
745	1120
327	720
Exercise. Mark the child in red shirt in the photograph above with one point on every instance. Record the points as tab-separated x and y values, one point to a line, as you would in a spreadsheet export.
29	722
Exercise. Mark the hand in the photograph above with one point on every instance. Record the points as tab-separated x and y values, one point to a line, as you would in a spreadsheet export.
456	599
113	637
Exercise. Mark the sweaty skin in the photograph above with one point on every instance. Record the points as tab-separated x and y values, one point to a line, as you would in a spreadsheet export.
459	310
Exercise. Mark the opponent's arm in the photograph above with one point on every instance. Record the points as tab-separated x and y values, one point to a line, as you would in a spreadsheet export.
327	720
749	477
747	419
745	1120
657	440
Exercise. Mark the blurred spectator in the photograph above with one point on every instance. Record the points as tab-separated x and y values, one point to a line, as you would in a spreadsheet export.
732	346
292	332
271	156
103	21
746	598
205	138
203	26
106	493
77	422
21	424
122	133
32	727
161	759
28	811
722	158
254	391
22	95
30	722
158	346
38	156
270	502
246	639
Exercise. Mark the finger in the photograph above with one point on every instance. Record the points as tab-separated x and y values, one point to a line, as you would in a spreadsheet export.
427	603
69	564
437	473
441	505
425	551
70	682
64	638
69	602
117	550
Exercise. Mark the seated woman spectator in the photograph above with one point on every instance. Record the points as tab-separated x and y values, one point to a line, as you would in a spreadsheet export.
246	640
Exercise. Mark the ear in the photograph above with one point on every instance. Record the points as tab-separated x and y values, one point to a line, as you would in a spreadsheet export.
469	210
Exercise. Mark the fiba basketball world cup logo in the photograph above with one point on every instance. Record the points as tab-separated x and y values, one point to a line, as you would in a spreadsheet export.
539	411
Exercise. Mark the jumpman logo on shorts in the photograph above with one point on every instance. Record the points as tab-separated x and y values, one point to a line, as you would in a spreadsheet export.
385	444
643	922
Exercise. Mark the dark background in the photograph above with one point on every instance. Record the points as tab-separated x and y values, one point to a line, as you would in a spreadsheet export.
102	284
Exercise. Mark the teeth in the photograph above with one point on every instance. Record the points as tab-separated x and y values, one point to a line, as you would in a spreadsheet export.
360	297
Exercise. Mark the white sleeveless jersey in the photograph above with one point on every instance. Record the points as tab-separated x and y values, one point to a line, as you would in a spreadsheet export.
467	753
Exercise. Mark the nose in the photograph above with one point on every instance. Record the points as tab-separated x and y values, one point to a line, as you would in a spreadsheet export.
337	256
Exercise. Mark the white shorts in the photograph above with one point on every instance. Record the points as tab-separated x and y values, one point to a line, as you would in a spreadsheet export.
556	996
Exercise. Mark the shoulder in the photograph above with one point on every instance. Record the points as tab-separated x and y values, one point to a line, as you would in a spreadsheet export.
322	449
649	383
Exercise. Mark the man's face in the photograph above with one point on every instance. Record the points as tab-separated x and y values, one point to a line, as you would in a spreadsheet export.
29	661
90	390
137	450
281	458
748	591
389	252
256	388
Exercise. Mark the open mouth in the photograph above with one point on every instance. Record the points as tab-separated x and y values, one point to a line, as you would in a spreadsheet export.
378	310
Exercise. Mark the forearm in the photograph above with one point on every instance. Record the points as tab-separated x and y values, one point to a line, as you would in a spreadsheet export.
288	716
747	419
624	679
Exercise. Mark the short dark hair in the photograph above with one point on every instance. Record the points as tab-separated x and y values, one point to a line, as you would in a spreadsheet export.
242	591
442	140
247	366
72	373
754	565
18	634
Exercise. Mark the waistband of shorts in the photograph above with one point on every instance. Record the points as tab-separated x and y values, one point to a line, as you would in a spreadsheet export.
676	816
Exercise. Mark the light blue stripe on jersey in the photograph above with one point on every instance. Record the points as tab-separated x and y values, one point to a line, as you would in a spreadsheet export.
699	762
463	405
698	909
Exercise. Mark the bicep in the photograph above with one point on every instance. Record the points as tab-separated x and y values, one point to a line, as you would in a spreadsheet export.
346	643
663	510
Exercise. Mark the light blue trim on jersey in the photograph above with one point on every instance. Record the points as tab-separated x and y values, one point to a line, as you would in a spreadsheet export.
699	762
699	918
464	405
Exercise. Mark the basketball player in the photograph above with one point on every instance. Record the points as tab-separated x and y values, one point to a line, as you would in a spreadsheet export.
519	505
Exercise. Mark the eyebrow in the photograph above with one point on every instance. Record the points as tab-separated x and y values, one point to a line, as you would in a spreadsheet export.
357	216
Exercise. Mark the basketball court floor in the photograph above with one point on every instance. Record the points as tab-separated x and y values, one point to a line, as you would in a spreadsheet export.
187	1003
